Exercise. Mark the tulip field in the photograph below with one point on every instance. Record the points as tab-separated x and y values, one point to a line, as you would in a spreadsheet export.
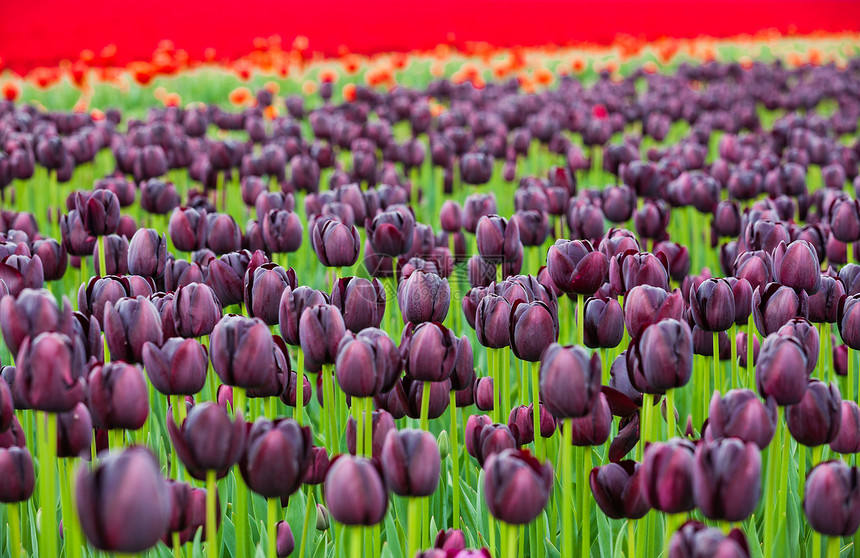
485	303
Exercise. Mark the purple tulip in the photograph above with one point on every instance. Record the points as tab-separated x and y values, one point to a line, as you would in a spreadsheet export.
411	463
208	440
516	486
831	500
355	492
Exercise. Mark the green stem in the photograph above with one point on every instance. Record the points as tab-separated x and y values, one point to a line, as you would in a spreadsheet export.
177	545
801	465
816	544
832	547
309	505
567	502
851	379
580	322
454	437
272	532
115	439
211	525
414	526
631	541
356	546
539	446
48	501
358	416
424	419
586	502
238	401
14	528
368	427
300	386
240	518
750	344
717	375
670	412
733	346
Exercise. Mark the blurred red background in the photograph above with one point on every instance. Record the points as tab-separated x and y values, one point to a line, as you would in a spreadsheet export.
44	32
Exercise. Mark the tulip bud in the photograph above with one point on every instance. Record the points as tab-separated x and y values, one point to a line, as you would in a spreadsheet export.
187	229
831	500
278	454
411	463
576	268
424	297
128	325
533	328
117	396
391	233
130	485
569	380
694	539
741	414
817	418
208	440
429	351
74	432
285	544
774	305
176	368
30	313
713	305
147	253
727	479
335	244
823	305
594	428
361	479
617	488
49	373
322	329
847	440
662	357
241	351
360	301
492	322
516	486
645	305
19	478
196	310
781	369
667	475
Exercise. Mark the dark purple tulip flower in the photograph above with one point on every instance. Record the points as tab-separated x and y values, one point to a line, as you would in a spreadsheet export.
742	293
355	492
645	305
277	457
483	392
196	310
533	328
678	257
74	432
411	463
516	486
241	351
802	330
816	419
713	305
322	328
222	233
848	320
693	540
7	406
823	305
617	488
116	256
429	351
497	238
476	168
831	500
285	543
475	207
99	212
845	220
632	269
774	305
594	428
176	368
147	253
264	285
30	313
124	504
128	325
781	369
53	256
76	239
49	374
667	475
290	309
796	266
423	297
483	438
391	233
282	231
335	244
19	272
208	440
492	322
187	229
603	324
741	414
569	380
847	440
361	302
364	367
575	267
117	396
727	479
662	357
316	471
17	476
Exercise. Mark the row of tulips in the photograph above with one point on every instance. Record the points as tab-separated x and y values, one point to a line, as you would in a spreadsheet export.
178	363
